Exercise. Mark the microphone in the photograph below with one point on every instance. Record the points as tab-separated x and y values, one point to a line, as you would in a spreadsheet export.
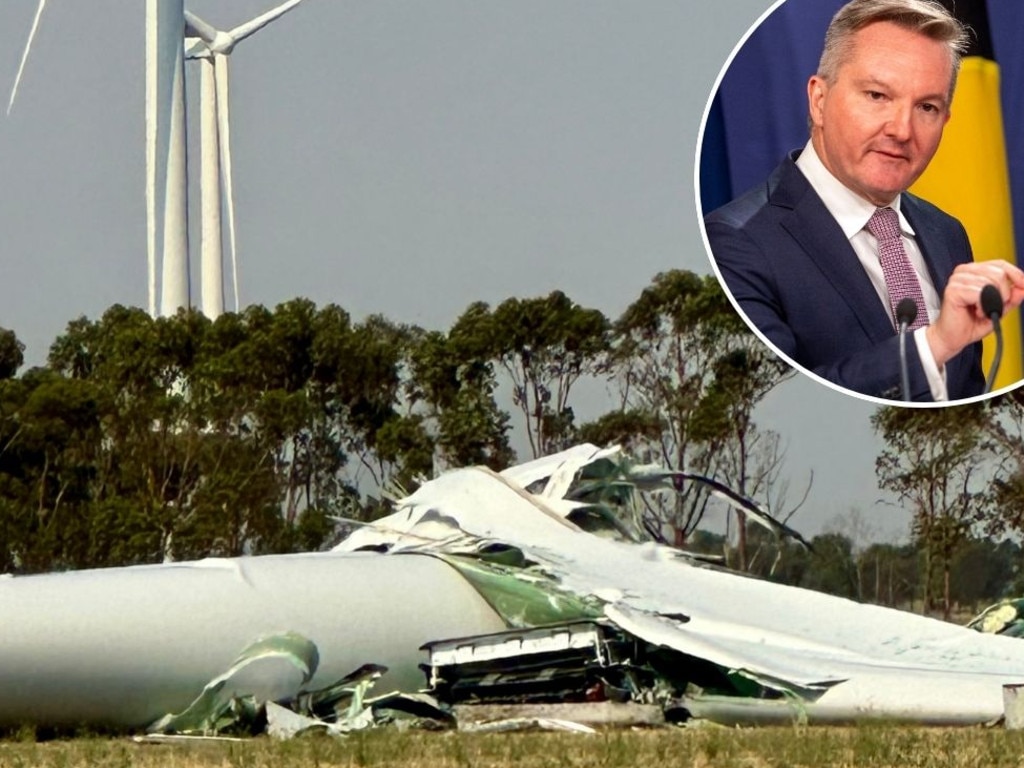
906	313
992	306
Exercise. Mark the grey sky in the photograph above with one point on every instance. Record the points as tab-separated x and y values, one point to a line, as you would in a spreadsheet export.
400	157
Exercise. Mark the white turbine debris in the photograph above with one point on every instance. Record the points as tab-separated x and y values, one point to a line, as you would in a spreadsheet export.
212	47
127	646
830	658
513	593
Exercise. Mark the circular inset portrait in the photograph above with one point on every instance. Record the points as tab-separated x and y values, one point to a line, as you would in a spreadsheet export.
854	182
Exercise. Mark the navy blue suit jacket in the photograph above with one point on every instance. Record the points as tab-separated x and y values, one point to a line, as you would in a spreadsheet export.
795	275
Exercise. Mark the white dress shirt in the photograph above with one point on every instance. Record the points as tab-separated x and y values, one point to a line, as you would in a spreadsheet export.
852	212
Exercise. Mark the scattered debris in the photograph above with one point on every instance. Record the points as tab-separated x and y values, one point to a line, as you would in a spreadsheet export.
1013	707
525	724
585	661
177	738
711	634
535	587
1004	618
270	669
596	713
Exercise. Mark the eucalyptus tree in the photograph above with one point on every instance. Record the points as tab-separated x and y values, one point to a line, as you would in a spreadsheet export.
179	471
689	375
47	468
890	574
238	503
544	346
140	371
12	354
1006	429
12	396
748	458
452	381
984	571
282	387
831	566
276	363
936	461
390	444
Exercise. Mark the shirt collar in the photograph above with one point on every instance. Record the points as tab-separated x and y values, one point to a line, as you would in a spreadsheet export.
849	209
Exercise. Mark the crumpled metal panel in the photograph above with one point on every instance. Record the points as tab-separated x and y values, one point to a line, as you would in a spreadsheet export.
858	660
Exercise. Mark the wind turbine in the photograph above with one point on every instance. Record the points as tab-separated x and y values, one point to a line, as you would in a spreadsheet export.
166	155
24	54
166	164
212	47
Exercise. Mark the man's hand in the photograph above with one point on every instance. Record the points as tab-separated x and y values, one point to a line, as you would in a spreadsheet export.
961	320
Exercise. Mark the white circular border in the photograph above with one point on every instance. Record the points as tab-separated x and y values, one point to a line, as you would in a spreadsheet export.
714	265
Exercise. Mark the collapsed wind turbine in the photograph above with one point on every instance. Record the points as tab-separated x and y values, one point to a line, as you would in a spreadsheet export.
212	47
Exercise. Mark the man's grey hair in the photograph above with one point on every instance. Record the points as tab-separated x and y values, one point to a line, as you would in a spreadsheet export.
926	17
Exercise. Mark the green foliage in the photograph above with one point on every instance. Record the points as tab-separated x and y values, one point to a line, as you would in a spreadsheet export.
147	440
452	380
1006	430
690	375
935	461
983	570
156	439
890	574
632	429
545	345
831	567
12	354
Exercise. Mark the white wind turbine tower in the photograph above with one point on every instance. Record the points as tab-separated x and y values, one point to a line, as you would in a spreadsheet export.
166	175
166	155
212	47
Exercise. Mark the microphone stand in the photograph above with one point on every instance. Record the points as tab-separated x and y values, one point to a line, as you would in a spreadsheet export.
906	313
992	306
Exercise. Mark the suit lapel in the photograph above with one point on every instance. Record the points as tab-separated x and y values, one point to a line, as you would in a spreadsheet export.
811	225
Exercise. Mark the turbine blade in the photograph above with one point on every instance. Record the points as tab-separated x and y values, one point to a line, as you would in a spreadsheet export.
242	31
196	27
24	55
221	76
212	199
196	48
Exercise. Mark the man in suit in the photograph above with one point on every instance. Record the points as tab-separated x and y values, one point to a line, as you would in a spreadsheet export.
819	257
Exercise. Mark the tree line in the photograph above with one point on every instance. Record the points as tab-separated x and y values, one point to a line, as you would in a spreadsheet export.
960	472
982	571
144	440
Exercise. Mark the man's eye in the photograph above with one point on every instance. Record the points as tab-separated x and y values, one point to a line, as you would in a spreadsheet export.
930	107
875	95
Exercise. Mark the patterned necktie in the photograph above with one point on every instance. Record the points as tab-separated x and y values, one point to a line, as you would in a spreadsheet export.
900	277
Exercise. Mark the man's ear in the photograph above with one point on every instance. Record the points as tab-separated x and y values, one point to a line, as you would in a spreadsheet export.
817	90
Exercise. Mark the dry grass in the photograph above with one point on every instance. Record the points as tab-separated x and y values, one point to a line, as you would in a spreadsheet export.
874	745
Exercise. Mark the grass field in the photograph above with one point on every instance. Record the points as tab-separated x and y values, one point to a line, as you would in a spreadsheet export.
872	745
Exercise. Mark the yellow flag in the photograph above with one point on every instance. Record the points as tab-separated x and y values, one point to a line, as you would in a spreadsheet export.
968	176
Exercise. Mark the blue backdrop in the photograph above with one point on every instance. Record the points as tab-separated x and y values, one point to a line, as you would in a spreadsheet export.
760	110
